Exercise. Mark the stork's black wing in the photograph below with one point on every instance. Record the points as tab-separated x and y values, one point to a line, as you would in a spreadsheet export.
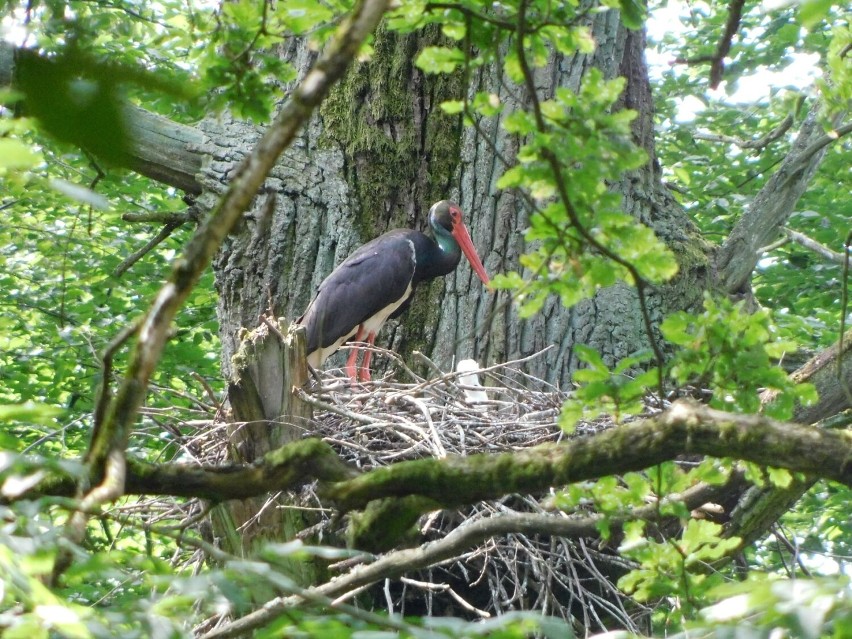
374	277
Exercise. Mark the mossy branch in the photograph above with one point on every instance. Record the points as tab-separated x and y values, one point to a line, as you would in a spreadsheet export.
106	456
687	428
286	468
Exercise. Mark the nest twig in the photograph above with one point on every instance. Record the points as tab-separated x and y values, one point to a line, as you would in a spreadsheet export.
386	421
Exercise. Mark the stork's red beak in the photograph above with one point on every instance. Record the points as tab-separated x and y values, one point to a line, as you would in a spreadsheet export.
462	236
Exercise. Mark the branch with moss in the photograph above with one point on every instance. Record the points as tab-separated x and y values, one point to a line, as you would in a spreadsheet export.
687	428
106	457
286	468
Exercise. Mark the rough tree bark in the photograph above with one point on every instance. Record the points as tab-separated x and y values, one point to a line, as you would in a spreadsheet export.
380	153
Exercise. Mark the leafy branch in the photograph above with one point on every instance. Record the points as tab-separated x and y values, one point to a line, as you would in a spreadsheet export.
573	216
106	457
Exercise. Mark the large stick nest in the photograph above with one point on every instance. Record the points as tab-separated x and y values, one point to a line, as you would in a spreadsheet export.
386	421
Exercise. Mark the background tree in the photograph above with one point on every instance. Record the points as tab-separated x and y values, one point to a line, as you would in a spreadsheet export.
530	105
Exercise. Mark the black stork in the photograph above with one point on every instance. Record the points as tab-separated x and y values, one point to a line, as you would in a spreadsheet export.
377	282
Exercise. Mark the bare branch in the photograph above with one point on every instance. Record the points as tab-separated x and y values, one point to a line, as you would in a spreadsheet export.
454	544
158	217
141	252
757	144
772	206
813	245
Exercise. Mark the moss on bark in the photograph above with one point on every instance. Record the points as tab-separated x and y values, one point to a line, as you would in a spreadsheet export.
401	152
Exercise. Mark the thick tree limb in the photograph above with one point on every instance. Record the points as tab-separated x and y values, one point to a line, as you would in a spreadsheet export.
831	373
164	150
772	206
686	428
160	149
287	468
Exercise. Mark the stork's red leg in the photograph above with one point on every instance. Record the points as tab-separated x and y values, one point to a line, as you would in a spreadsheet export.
351	371
364	371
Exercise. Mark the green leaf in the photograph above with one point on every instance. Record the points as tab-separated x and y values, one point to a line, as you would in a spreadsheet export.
571	413
452	107
77	99
813	11
30	412
487	104
439	59
632	13
676	329
507	280
519	122
590	356
779	477
301	16
14	154
511	177
454	30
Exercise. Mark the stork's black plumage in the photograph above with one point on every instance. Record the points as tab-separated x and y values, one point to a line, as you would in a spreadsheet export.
378	280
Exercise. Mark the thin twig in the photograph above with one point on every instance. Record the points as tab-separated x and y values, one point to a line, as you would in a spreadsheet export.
149	246
816	247
757	144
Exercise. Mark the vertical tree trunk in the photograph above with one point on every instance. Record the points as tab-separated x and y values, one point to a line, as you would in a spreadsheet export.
265	414
381	152
376	157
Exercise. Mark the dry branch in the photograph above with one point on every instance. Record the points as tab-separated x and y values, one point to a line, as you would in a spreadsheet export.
475	530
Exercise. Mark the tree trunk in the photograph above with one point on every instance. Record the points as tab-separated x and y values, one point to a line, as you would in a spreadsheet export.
377	157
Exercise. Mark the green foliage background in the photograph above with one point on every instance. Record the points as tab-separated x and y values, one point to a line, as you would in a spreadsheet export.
62	237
